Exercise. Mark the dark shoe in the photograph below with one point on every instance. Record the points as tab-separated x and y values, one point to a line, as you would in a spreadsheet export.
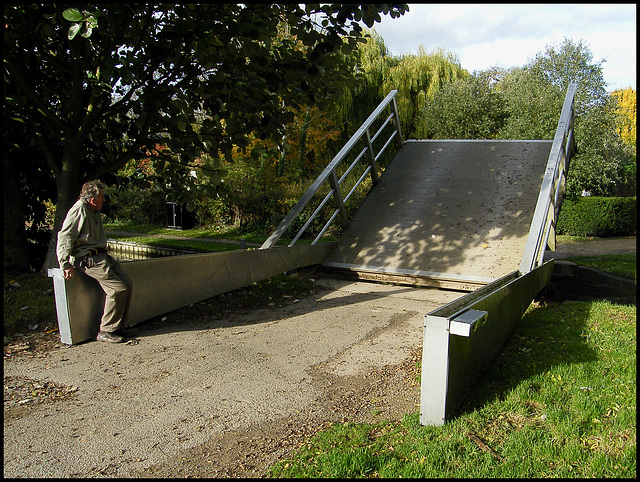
110	337
125	332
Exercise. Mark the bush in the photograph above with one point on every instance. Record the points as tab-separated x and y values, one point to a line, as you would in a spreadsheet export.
139	206
598	216
216	212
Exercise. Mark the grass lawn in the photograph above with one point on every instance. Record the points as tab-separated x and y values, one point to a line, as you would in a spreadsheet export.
189	235
623	265
558	401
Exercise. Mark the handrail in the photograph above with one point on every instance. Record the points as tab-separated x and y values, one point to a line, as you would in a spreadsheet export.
329	173
542	232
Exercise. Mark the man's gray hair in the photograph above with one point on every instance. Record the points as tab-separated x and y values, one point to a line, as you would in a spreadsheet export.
91	189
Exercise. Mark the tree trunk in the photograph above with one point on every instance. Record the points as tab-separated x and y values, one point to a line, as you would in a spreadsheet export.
68	189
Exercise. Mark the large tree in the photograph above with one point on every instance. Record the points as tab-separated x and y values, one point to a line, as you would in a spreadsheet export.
534	96
465	109
89	88
417	77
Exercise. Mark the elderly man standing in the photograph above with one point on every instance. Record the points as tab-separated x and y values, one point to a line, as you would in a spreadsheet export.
82	245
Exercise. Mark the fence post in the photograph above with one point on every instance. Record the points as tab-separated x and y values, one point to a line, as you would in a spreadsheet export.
396	121
372	158
335	185
435	370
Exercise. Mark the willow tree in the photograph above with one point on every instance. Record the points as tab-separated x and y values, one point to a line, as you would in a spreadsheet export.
87	89
418	78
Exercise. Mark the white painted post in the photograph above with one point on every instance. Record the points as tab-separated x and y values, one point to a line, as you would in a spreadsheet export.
435	370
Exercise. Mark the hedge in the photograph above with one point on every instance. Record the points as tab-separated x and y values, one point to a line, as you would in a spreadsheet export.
598	216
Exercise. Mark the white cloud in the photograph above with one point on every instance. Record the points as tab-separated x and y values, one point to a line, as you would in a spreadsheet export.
509	35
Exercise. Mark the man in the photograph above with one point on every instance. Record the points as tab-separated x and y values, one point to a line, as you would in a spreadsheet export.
82	245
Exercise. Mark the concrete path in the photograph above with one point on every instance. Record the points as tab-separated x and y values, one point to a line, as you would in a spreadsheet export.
593	246
189	380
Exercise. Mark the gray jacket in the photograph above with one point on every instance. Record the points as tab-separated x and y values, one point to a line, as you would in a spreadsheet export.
80	233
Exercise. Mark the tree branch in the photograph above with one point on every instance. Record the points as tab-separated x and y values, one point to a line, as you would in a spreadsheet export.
21	84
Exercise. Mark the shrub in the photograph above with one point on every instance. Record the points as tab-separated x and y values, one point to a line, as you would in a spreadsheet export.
216	212
139	206
598	216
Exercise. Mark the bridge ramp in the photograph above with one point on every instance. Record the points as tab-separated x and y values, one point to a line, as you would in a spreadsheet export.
459	208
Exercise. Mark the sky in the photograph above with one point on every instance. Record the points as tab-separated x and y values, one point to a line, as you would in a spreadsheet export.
499	35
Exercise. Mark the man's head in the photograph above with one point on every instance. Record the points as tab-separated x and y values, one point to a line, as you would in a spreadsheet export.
93	194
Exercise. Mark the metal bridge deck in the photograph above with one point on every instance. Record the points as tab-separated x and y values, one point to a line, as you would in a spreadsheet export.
448	208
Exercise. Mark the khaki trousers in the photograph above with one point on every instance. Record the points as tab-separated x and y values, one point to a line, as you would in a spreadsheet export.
117	287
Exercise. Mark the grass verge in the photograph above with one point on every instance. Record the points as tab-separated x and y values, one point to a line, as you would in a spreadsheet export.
186	244
558	401
623	265
29	305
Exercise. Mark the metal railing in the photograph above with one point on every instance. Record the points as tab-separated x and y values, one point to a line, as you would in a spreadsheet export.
125	250
330	173
543	227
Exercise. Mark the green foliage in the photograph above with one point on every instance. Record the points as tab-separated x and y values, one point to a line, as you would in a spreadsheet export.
598	216
140	206
83	22
184	89
216	212
604	165
525	103
418	78
571	61
464	109
372	63
256	198
195	79
520	103
533	105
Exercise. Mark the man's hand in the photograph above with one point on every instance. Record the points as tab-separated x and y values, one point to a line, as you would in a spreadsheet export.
69	272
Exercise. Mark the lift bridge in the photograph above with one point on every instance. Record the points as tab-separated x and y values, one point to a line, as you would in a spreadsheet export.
475	216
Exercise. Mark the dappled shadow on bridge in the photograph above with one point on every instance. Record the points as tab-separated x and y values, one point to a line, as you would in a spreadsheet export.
456	207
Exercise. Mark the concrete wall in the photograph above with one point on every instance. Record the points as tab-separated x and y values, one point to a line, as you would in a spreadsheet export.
574	282
166	284
453	360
